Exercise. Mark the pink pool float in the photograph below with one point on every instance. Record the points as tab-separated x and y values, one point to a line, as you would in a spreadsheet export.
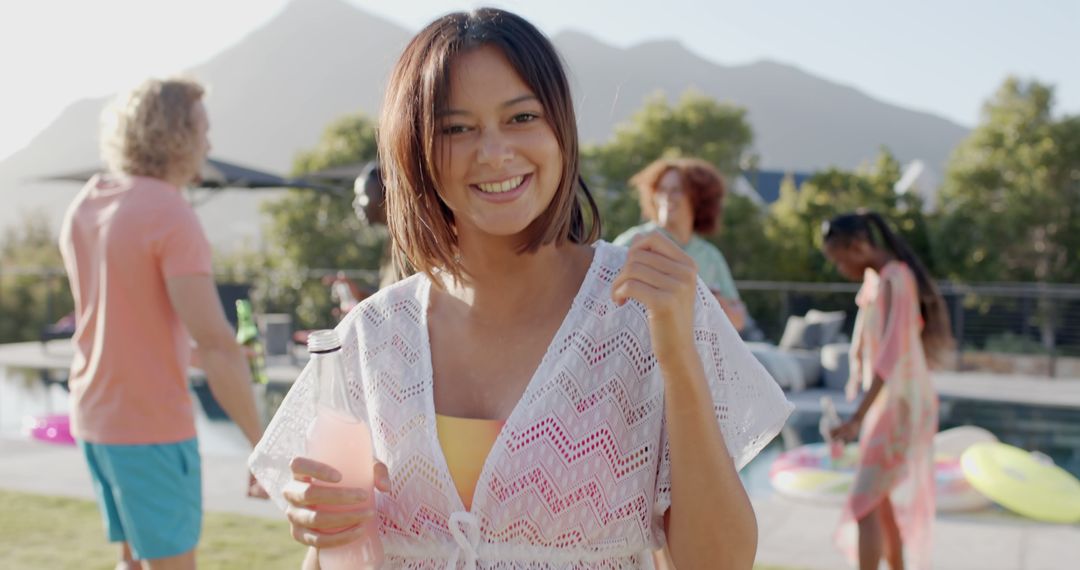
50	429
818	473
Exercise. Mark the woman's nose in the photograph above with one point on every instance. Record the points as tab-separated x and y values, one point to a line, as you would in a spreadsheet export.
495	149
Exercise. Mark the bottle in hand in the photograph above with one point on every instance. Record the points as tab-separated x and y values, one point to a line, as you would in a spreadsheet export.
830	420
339	438
247	334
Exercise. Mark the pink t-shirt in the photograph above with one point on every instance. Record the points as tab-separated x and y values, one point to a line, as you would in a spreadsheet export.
122	237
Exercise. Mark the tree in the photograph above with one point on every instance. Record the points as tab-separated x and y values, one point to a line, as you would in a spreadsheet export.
1011	196
742	238
696	126
317	230
794	225
33	289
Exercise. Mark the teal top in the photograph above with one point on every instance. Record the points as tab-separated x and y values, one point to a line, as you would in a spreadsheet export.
712	267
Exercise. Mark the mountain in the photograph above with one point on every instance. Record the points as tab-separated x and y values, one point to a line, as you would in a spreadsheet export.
801	122
273	92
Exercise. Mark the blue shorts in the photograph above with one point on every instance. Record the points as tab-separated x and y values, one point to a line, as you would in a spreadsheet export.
150	495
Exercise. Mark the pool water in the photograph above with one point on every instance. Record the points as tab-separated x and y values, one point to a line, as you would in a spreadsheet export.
1050	430
755	476
1053	431
24	395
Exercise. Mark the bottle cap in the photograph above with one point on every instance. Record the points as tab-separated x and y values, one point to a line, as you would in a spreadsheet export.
325	340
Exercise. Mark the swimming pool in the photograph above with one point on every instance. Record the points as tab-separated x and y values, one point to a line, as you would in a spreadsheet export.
23	394
1054	431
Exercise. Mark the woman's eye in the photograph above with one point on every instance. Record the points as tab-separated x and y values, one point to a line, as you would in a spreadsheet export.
455	129
524	117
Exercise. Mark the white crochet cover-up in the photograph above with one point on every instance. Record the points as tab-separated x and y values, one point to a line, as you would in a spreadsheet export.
579	477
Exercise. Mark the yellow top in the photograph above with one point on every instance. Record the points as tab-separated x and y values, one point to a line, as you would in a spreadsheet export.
466	443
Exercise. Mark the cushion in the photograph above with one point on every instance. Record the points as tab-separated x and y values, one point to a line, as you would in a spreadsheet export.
835	365
809	361
783	367
815	330
799	334
832	325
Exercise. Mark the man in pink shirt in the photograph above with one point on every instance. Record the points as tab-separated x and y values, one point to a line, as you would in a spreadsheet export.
139	266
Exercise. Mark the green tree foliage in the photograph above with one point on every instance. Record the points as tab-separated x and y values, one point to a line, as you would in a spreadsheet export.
742	238
695	126
794	223
1011	197
34	291
312	230
1008	204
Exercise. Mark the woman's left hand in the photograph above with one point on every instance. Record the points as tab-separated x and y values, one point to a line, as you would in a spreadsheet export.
661	276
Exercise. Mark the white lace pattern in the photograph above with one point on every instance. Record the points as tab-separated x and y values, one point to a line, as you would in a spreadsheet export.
579	477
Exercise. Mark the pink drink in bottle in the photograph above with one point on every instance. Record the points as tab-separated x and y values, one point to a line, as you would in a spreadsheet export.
830	420
340	439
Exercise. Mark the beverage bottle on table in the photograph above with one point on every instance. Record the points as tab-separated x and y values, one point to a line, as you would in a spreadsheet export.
342	440
247	334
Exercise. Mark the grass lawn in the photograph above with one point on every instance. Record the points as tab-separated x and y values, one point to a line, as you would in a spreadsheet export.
38	531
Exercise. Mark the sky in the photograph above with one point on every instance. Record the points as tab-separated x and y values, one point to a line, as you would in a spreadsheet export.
942	56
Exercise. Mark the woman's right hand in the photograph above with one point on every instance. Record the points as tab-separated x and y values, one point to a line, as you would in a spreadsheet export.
324	516
848	431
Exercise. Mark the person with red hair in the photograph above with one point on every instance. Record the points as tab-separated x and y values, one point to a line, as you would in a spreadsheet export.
683	198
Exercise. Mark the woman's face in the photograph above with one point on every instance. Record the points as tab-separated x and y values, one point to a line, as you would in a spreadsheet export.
672	204
851	258
499	163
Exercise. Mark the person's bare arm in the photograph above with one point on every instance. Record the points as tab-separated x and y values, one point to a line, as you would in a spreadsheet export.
705	486
849	430
196	301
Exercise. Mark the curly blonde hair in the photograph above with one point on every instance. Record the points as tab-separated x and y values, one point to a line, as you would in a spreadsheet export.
151	130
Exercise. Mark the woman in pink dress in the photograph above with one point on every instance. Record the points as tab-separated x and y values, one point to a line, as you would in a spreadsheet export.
901	325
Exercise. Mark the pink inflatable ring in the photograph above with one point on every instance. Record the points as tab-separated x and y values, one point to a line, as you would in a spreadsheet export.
50	429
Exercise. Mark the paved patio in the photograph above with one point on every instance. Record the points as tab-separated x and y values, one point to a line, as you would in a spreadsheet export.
792	534
795	535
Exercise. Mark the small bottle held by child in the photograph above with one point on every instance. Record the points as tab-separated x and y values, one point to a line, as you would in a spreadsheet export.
830	420
247	334
342	440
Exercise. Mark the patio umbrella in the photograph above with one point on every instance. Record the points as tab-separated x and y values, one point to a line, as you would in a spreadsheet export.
343	176
215	174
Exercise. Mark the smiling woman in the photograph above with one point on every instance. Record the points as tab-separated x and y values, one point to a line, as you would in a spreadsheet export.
498	160
464	92
537	400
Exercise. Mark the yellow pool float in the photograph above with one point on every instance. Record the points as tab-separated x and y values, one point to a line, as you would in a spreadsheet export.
1014	479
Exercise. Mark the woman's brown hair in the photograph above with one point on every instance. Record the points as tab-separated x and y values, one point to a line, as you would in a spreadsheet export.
421	225
702	183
